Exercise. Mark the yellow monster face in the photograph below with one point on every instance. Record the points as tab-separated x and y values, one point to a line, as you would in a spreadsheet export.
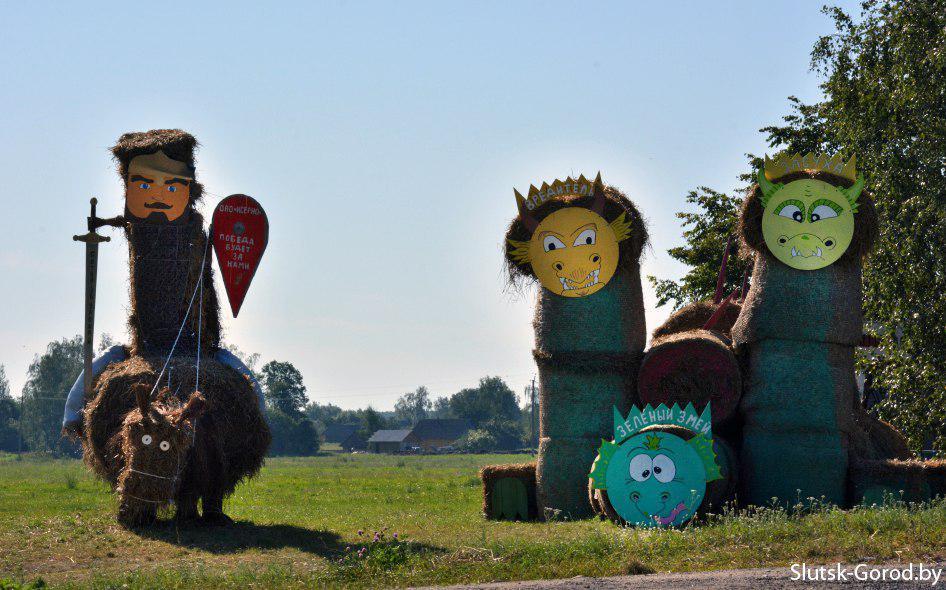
573	251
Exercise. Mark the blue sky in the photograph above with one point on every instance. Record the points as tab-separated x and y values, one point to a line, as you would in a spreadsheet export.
384	140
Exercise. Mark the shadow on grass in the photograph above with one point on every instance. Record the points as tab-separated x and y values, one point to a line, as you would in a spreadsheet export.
243	535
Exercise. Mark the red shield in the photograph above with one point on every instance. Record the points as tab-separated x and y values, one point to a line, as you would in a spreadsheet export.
240	232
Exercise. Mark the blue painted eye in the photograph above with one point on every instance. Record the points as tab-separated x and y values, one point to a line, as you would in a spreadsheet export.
172	189
144	185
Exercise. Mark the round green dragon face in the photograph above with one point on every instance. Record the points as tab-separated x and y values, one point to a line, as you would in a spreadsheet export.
808	224
656	479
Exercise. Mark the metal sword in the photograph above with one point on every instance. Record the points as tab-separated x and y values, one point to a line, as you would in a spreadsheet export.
92	241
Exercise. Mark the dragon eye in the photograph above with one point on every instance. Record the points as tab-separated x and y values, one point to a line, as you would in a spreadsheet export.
165	445
641	467
586	238
664	469
793	212
552	243
823	212
146	440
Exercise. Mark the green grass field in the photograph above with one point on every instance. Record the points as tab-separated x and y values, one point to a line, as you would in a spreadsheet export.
298	523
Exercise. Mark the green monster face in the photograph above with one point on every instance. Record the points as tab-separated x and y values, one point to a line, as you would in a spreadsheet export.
656	478
808	224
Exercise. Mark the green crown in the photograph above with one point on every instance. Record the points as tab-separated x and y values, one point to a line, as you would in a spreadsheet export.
637	420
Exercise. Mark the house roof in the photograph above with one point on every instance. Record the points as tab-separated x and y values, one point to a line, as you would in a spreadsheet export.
336	433
389	436
440	429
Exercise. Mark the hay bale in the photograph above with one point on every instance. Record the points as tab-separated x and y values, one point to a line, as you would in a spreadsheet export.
578	404
588	350
695	315
875	440
175	143
874	482
798	421
561	485
788	304
230	438
509	492
936	477
164	267
691	367
718	493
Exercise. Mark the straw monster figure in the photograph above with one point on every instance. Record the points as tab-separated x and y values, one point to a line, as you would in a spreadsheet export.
173	418
582	242
810	223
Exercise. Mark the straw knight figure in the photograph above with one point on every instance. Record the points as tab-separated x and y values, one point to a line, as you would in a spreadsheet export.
191	431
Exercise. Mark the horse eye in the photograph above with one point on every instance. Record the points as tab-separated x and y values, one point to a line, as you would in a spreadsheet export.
146	439
165	445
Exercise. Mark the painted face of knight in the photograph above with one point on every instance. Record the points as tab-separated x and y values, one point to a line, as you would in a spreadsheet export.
157	188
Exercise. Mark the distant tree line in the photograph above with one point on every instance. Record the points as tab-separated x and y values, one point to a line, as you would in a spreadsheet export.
490	408
33	422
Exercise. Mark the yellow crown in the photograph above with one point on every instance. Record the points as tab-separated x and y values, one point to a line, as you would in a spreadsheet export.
786	163
580	187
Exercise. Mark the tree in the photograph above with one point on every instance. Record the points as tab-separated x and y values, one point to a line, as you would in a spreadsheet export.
884	76
293	434
413	407
105	342
492	435
706	234
49	379
371	421
491	399
251	360
9	416
283	387
441	408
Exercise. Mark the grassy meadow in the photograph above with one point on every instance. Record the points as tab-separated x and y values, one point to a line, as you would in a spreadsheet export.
311	522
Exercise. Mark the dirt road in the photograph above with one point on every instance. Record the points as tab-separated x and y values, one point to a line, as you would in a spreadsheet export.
886	576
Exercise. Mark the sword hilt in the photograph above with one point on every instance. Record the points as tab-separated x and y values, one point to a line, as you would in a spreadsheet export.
95	222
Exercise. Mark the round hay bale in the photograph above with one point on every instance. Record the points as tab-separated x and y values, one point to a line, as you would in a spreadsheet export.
717	494
877	482
798	422
562	476
231	437
789	304
695	367
576	404
593	499
695	315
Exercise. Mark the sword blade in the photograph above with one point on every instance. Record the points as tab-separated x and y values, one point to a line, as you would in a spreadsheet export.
91	276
